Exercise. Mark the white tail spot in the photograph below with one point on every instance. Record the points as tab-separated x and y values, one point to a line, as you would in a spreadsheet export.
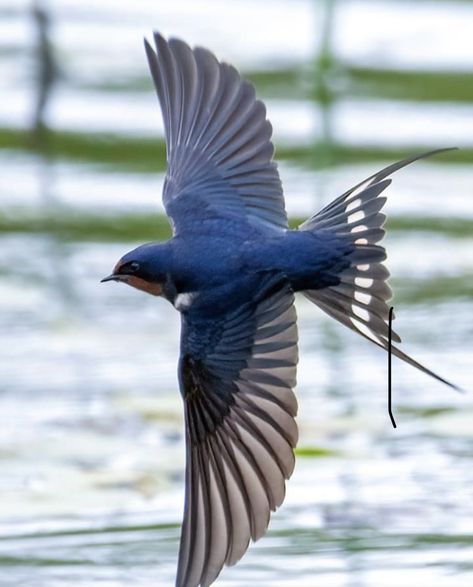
361	241
364	281
360	312
364	267
365	330
352	205
356	216
359	228
360	188
364	298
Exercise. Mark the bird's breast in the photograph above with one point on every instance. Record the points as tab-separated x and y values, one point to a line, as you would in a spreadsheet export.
184	301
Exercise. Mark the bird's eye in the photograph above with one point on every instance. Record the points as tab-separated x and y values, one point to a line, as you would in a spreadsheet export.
133	267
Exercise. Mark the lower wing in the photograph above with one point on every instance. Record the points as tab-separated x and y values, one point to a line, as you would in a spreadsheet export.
240	429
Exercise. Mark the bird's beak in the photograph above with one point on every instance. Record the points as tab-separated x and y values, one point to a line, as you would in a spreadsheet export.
112	277
155	289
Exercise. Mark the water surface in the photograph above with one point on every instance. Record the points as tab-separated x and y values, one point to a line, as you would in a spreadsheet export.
91	443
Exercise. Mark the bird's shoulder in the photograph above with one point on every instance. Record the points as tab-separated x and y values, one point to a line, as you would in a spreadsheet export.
202	260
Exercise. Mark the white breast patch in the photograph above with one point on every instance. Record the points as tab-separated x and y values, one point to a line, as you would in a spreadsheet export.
184	301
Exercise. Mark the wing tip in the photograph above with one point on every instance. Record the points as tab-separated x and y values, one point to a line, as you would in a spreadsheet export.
157	37
148	47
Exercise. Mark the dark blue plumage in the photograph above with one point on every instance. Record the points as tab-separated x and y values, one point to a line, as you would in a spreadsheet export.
231	270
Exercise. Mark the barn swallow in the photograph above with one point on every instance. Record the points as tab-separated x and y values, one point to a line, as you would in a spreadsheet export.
231	269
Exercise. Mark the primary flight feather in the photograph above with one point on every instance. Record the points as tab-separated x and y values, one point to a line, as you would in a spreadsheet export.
231	269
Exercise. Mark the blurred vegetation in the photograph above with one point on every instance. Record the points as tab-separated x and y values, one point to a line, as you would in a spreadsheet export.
323	80
69	223
140	154
315	452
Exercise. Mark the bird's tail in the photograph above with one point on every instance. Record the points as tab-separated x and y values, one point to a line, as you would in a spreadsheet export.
359	301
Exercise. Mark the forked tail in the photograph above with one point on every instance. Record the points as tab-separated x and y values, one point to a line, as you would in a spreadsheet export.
359	301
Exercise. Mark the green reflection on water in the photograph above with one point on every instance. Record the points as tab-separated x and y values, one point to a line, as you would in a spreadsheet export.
73	224
315	452
147	155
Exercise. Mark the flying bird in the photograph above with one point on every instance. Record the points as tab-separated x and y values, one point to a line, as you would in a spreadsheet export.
231	269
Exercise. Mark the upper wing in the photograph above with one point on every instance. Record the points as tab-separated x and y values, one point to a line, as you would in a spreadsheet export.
217	138
240	430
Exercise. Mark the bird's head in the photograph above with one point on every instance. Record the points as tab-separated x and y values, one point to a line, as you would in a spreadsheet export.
142	269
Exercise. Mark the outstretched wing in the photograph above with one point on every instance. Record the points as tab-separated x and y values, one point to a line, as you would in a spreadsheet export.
240	429
218	143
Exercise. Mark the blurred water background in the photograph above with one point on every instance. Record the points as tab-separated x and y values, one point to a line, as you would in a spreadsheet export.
91	448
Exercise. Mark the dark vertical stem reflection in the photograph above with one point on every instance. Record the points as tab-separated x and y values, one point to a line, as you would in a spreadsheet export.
46	73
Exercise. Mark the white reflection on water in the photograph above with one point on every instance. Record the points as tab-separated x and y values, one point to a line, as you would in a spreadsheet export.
406	35
425	190
374	122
